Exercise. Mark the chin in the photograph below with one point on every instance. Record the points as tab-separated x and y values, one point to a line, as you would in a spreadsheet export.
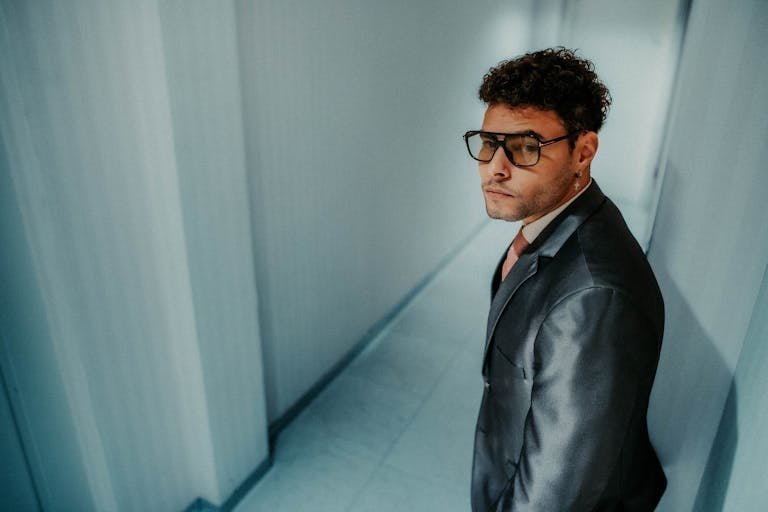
494	213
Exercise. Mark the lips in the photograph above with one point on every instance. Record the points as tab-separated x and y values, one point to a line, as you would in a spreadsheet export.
496	193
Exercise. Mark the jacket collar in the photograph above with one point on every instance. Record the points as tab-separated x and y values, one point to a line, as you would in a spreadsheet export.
546	245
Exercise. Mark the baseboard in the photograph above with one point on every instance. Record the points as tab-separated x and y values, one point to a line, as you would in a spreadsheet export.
203	505
243	489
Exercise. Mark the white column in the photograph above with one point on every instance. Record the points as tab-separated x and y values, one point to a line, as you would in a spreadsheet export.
123	375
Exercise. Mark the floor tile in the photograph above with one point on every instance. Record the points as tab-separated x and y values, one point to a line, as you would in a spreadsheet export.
394	490
438	319
365	414
321	482
411	363
438	441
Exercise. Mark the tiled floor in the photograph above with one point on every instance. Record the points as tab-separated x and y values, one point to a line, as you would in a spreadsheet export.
394	431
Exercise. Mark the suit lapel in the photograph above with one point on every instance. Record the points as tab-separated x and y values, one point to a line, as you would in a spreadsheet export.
546	245
525	267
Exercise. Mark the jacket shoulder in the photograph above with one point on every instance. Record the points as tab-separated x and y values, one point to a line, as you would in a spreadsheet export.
602	253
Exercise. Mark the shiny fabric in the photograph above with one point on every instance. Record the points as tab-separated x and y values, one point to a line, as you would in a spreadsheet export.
573	340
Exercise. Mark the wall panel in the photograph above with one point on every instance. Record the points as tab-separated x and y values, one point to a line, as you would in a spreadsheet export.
710	239
360	184
130	324
200	46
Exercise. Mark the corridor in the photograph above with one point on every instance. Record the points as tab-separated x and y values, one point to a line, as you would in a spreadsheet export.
393	432
207	207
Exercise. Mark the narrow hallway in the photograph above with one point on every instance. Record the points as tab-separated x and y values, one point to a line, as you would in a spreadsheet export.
393	432
207	208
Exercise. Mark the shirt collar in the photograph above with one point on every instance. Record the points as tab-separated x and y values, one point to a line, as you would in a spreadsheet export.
533	229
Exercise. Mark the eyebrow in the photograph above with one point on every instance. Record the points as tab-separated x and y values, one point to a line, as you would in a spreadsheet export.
526	132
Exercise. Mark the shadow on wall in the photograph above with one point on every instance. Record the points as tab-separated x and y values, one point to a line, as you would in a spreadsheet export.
690	375
686	375
717	474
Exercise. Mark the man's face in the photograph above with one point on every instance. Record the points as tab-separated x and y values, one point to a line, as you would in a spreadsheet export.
526	193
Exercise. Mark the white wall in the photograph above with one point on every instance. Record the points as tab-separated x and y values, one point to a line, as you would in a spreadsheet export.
735	477
710	240
130	332
360	183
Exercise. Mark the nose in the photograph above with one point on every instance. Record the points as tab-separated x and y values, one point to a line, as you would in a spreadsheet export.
499	168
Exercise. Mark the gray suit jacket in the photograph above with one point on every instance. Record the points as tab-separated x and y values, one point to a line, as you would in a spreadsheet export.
572	345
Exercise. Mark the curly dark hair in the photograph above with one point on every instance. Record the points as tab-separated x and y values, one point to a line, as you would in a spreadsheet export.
551	79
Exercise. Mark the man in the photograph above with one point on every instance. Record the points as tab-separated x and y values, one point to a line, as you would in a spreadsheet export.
576	318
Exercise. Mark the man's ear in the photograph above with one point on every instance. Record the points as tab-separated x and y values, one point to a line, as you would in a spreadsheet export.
585	150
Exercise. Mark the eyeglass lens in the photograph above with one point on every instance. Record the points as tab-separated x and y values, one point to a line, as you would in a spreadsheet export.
521	149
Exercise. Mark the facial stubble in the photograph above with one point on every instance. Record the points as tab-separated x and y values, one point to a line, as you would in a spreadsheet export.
541	200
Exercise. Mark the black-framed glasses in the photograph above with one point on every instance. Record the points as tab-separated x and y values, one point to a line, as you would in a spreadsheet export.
522	149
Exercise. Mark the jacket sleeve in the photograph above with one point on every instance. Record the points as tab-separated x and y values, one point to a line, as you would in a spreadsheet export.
593	354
